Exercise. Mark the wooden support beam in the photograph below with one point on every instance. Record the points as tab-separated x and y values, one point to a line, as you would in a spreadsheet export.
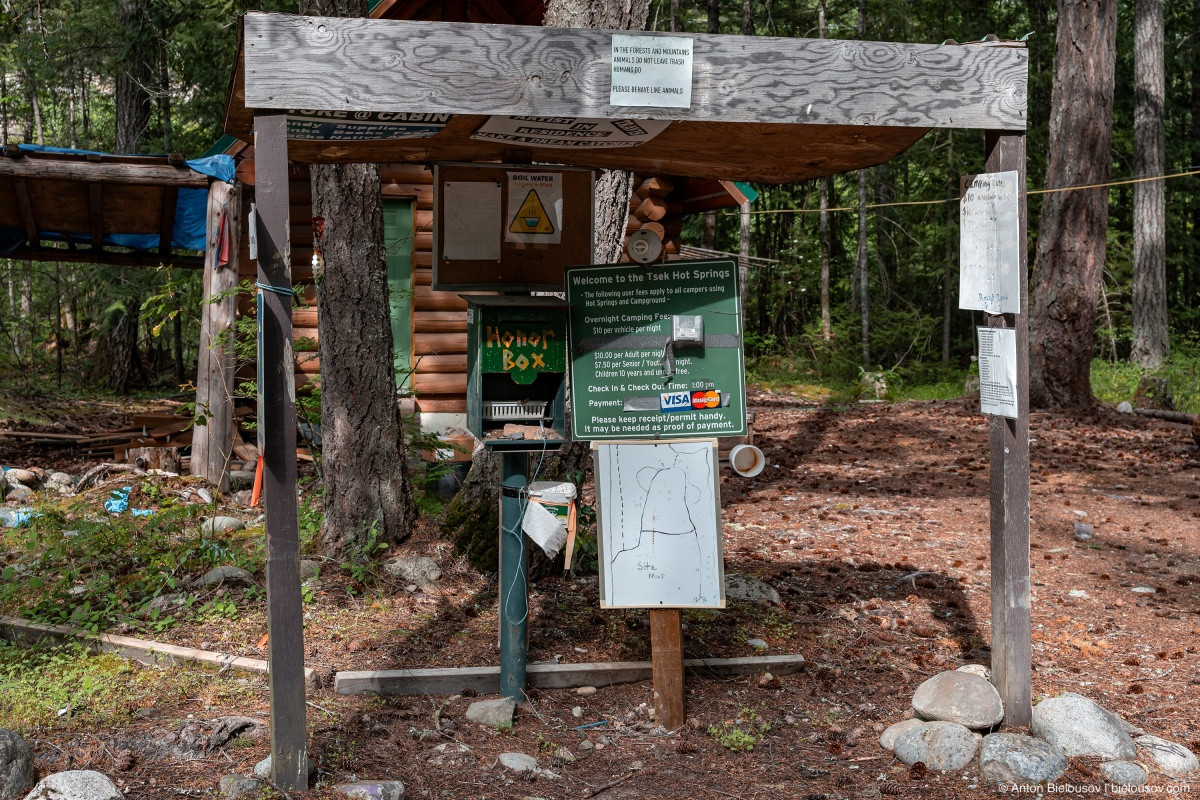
666	652
1012	642
211	442
166	222
96	213
91	256
21	190
285	624
457	68
105	172
486	680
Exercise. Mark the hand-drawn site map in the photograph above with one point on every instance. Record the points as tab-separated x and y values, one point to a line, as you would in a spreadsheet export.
660	531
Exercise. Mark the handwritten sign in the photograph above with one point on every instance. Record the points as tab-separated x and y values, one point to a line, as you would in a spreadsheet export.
651	71
570	133
989	247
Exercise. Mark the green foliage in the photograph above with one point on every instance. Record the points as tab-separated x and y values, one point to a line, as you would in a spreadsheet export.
362	559
740	735
1115	382
68	687
95	572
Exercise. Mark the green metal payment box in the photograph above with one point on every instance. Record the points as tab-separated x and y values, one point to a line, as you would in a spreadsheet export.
516	371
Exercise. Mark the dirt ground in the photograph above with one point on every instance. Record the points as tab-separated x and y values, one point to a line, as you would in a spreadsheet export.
871	522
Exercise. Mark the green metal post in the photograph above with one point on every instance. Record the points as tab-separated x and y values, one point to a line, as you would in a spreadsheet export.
514	591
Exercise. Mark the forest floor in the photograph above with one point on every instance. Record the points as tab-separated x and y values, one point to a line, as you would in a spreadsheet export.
872	523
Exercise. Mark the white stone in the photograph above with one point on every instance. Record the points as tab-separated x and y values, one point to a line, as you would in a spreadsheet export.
1168	757
22	476
228	575
421	570
745	587
1123	773
76	784
263	768
939	745
1125	407
961	697
1143	590
372	790
1014	758
1079	594
214	525
497	712
586	690
757	644
887	739
1079	727
519	762
977	669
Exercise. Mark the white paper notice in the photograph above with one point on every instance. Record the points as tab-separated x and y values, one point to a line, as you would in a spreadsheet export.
570	133
535	206
998	371
989	246
471	230
651	71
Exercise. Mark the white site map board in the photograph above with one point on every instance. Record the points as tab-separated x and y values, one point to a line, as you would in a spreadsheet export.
659	515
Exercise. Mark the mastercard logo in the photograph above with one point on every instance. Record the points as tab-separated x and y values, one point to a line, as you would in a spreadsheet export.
706	399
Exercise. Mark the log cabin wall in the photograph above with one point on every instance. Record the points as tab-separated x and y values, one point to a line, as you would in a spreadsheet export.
439	318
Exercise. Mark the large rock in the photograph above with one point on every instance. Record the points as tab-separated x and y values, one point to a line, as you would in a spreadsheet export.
961	697
18	493
372	790
1123	773
421	570
1079	727
228	575
1014	758
940	745
745	587
76	784
1168	757
887	739
16	765
495	713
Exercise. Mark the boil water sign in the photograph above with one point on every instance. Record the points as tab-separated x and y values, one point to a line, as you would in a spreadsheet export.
656	352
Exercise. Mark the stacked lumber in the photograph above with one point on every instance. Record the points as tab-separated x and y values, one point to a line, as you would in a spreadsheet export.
656	205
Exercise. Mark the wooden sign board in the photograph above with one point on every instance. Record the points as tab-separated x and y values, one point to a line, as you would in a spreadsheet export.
509	227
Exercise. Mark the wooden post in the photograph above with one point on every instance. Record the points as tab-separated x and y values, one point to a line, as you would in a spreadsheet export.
666	658
1012	644
215	372
285	649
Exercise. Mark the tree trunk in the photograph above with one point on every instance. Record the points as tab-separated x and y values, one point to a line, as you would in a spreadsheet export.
1069	262
1151	338
747	17
743	249
714	16
367	485
124	347
133	77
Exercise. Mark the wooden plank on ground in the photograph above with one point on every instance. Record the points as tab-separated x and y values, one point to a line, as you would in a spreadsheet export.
15	629
486	680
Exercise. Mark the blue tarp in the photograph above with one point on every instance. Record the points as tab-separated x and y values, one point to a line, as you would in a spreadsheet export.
191	208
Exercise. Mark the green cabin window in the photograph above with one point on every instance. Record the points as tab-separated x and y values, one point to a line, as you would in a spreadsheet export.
398	246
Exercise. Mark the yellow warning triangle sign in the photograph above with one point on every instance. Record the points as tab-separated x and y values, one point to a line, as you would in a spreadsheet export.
532	216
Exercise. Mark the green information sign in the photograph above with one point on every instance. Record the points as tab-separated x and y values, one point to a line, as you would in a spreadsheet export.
656	351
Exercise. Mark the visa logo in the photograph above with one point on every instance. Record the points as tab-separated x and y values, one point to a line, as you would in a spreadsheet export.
674	401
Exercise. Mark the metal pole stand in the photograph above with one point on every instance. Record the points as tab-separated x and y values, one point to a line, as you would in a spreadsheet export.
514	588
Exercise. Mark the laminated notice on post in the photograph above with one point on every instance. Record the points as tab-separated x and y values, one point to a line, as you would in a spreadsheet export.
998	371
989	248
651	71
